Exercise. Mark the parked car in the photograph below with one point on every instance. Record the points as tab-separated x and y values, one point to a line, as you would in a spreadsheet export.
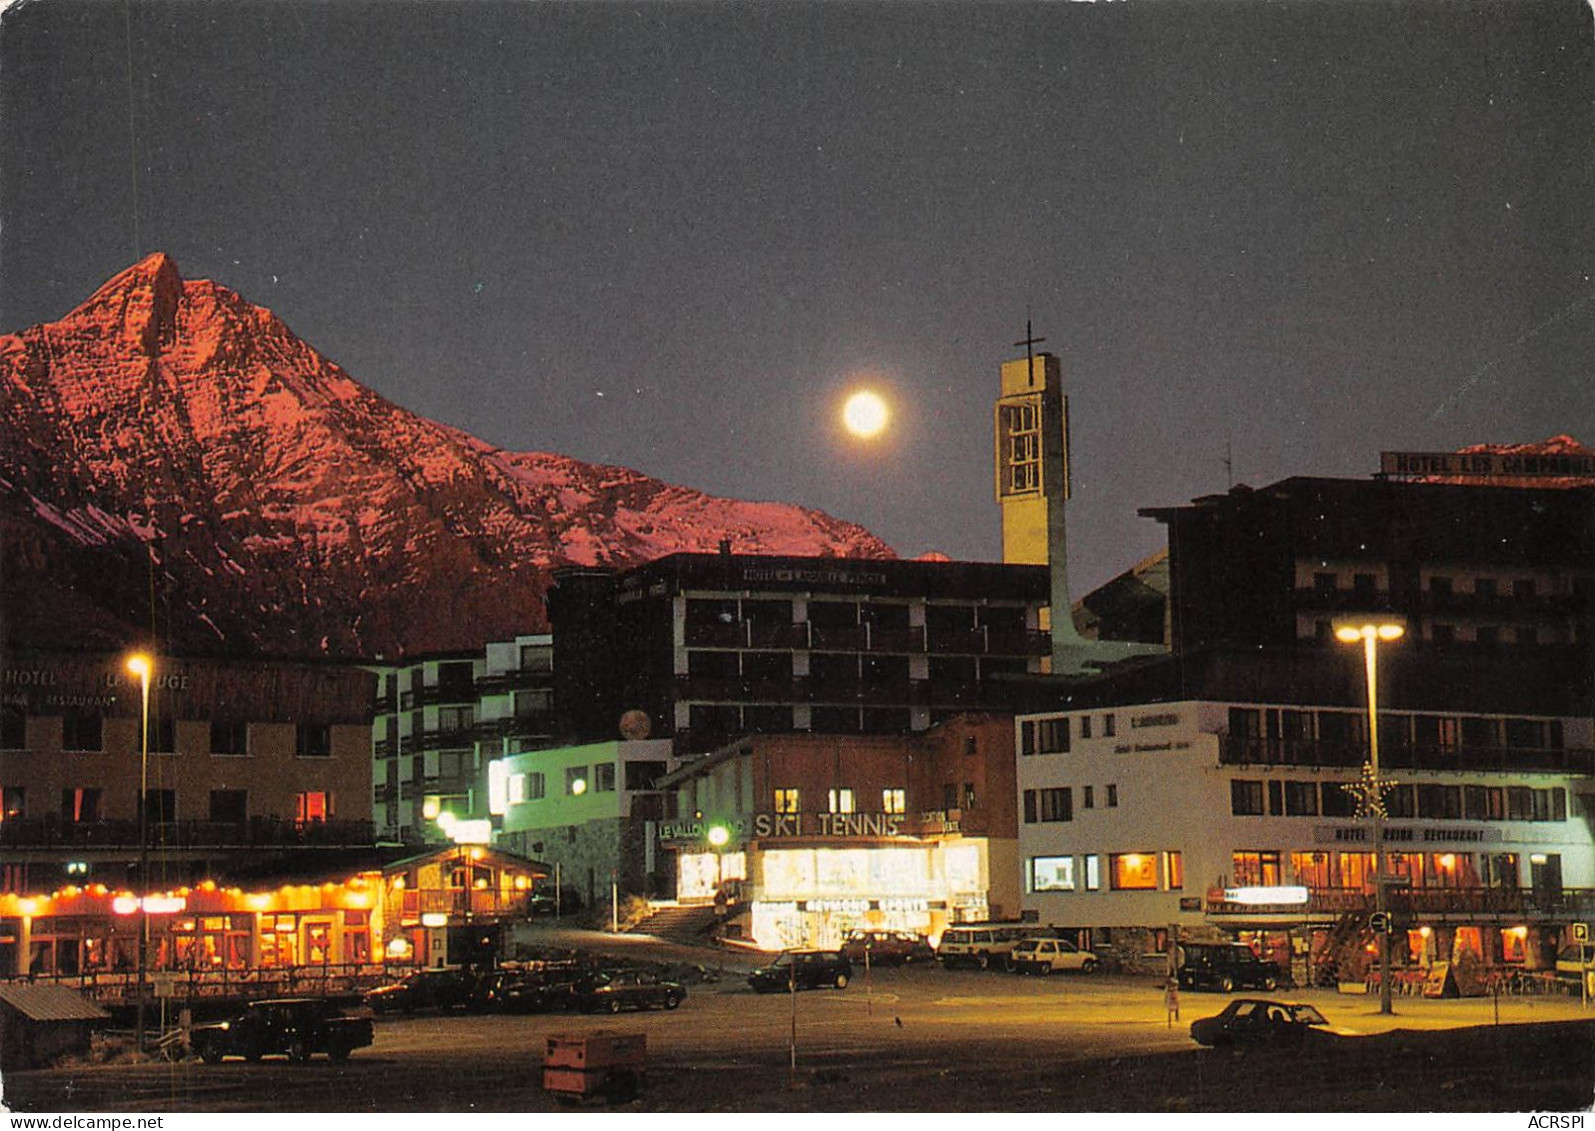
437	988
1224	967
803	970
297	1028
1575	963
1047	956
986	944
523	991
888	948
1258	1021
612	992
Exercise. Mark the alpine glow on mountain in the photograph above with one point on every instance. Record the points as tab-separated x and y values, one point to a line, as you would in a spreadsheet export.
177	464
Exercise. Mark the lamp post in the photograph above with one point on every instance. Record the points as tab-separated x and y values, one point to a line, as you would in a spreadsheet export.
1371	633
140	665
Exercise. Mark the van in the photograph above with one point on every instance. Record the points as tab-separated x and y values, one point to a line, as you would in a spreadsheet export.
985	945
1224	967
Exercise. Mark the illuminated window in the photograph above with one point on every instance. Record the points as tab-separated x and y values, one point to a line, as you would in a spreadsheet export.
1311	869
1255	869
13	802
312	807
1019	446
1093	873
1052	873
1132	871
893	801
1174	870
841	800
787	801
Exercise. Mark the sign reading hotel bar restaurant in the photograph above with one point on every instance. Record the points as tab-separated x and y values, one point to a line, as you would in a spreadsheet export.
1489	465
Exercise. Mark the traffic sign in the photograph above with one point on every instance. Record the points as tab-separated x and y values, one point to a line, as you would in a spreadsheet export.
1581	932
1379	922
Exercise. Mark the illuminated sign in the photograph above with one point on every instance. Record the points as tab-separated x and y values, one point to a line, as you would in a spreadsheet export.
835	825
1269	895
1489	465
152	904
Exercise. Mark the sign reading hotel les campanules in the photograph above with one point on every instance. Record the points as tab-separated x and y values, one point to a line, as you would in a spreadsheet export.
1489	465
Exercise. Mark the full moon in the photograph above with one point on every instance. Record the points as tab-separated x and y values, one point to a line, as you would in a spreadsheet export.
865	414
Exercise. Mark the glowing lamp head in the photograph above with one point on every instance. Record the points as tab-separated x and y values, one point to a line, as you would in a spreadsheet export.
578	787
1386	631
718	836
139	664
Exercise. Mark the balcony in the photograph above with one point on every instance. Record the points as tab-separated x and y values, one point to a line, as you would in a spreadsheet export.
1246	750
460	903
908	639
1018	642
505	682
49	832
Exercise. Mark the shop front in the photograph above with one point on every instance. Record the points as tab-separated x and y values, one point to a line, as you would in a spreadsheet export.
794	880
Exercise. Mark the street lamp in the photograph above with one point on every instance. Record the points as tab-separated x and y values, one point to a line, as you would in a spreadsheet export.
1371	633
141	665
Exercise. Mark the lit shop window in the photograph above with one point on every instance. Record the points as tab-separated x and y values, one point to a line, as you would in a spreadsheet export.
787	801
1255	869
893	801
1052	873
1133	871
841	800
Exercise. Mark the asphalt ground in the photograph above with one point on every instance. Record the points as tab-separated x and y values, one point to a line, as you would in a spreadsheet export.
914	1039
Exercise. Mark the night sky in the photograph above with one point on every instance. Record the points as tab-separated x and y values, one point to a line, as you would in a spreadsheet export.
671	235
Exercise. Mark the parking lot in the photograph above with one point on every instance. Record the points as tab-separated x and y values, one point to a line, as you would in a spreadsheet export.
917	1038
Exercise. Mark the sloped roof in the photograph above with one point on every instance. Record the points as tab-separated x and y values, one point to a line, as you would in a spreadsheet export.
49	1003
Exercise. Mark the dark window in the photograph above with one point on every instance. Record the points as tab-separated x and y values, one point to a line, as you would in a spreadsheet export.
13	728
1337	800
1088	797
1301	798
1484	587
1113	797
80	804
1110	726
711	665
315	740
1480	732
82	730
1276	796
1056	804
1401	801
1443	634
455	682
768	718
969	795
228	806
1442	802
1487	635
163	735
1364	584
228	737
536	658
768	666
1085	726
643	775
949	795
160	806
1052	736
1526	734
830	614
1246	798
1526	637
1440	586
1523	589
1325	582
1030	806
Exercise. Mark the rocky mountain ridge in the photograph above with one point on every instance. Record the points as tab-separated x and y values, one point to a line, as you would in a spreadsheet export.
177	464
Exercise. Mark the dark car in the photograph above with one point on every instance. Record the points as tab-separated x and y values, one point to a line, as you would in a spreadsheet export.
612	992
888	948
803	970
297	1028
1257	1021
439	988
1225	967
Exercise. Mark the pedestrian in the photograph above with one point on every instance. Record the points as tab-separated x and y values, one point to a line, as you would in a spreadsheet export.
1171	1001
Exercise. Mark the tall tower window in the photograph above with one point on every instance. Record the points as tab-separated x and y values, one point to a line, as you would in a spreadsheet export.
1019	433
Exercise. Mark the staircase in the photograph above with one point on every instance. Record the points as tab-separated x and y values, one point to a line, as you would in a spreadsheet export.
684	925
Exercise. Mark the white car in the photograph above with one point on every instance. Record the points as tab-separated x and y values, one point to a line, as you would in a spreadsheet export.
1045	956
